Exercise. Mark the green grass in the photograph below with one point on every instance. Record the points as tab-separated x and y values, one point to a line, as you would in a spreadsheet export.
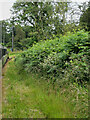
28	96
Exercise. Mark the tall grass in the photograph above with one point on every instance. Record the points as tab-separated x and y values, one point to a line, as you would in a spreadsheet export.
28	96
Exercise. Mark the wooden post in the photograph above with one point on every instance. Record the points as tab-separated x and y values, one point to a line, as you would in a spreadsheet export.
12	37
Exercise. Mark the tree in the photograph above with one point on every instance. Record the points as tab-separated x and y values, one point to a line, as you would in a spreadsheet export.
46	18
19	36
6	32
35	14
85	17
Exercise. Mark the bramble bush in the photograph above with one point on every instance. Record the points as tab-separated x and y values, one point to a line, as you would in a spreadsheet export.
66	55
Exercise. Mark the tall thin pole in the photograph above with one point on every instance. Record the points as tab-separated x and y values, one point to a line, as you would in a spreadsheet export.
12	37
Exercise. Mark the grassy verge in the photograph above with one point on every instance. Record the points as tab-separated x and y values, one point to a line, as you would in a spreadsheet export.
15	53
28	96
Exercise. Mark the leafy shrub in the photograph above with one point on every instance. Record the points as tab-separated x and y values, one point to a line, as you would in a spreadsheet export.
57	57
28	42
79	68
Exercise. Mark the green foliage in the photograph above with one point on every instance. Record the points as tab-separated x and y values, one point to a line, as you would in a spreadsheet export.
66	55
9	44
84	18
78	69
44	18
27	42
19	36
6	32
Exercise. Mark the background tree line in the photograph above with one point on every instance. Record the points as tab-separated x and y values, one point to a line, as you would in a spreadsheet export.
35	21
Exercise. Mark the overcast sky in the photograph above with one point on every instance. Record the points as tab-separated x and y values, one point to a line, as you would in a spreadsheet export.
5	6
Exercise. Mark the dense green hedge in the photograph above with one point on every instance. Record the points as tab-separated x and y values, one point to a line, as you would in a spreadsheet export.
64	58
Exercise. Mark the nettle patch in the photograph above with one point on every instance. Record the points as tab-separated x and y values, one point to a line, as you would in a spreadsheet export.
56	58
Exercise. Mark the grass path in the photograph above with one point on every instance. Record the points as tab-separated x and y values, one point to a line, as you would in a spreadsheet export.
28	96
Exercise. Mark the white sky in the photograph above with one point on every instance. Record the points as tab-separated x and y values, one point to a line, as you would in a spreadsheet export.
5	6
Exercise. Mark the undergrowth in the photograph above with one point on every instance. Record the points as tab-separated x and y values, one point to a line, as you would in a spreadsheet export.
63	63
